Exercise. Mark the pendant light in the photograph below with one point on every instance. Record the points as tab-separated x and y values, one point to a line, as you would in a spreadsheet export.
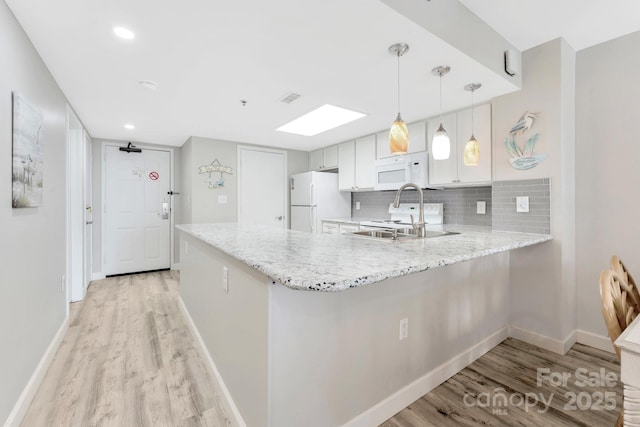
399	134
472	148
441	146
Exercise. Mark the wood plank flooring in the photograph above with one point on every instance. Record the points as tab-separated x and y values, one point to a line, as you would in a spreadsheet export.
511	370
128	359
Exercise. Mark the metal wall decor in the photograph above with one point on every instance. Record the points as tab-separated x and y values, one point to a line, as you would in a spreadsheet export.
523	158
215	167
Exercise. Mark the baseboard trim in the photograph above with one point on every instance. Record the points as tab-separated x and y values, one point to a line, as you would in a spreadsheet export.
542	341
176	266
393	404
228	403
28	393
594	340
97	276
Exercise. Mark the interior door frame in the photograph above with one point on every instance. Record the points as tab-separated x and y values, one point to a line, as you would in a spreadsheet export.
285	180
75	233
103	196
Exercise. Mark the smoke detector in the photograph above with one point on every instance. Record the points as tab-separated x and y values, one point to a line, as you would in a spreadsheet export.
148	84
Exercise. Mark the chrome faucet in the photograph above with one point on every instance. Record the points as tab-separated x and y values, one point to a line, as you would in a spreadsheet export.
418	226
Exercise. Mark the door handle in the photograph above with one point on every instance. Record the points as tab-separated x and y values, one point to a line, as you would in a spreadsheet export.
89	222
280	218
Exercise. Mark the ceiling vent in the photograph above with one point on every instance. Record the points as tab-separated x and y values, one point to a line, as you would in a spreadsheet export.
289	98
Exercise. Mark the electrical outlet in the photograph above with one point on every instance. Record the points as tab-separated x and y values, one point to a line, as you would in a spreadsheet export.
481	207
222	199
225	279
522	204
63	280
357	206
186	248
404	329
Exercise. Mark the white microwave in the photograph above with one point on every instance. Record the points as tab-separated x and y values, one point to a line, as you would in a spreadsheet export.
393	172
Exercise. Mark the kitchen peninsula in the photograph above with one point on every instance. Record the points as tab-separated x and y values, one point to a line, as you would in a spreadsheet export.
304	329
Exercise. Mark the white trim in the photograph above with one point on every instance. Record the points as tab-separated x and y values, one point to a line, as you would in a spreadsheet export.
176	266
103	195
542	341
285	179
393	404
97	276
594	340
227	402
28	393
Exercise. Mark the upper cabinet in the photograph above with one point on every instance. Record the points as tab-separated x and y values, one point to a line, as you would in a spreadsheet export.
324	158
453	171
356	164
417	140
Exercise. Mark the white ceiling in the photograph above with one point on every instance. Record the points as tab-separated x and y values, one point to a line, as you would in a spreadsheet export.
582	23
206	56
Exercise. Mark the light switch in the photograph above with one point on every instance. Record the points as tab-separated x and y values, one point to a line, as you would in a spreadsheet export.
481	207
357	205
222	199
522	204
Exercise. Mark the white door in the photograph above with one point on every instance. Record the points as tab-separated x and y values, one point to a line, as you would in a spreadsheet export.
75	207
262	186
136	210
88	212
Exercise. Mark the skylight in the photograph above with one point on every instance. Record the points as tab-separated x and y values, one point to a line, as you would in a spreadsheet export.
321	120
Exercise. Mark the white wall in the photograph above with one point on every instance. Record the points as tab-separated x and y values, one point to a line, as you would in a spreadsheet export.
607	173
200	203
542	283
32	241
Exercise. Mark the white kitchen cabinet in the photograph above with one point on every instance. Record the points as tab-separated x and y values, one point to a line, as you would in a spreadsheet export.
346	228
324	158
315	160
330	227
480	173
347	166
443	172
417	140
356	164
453	171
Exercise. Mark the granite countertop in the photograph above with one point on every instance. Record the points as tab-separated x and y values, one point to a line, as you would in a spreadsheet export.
337	262
350	220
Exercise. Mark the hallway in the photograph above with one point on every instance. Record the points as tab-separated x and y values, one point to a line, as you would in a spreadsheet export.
128	359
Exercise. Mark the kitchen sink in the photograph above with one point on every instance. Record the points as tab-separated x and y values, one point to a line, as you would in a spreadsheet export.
401	234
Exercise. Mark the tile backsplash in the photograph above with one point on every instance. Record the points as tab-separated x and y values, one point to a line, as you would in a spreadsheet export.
459	204
505	217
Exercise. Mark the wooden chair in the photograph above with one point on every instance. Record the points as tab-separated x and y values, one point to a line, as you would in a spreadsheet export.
618	266
618	308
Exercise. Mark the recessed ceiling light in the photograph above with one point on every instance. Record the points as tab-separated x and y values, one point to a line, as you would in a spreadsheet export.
148	84
129	126
123	33
321	120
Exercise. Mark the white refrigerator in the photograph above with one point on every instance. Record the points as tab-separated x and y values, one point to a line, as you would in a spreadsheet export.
314	197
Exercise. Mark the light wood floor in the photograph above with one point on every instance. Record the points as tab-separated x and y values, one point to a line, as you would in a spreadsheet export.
511	369
128	359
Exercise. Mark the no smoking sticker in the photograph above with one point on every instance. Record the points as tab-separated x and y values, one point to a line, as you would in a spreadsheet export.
153	176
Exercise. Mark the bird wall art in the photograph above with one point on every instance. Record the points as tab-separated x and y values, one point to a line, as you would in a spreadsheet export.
523	158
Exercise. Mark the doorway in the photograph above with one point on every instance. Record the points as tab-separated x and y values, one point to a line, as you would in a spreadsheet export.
136	231
78	233
262	186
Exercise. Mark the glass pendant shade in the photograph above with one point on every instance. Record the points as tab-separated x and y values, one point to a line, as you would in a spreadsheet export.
398	137
472	152
441	146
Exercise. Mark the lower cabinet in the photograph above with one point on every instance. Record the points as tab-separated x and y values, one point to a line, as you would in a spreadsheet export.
330	227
